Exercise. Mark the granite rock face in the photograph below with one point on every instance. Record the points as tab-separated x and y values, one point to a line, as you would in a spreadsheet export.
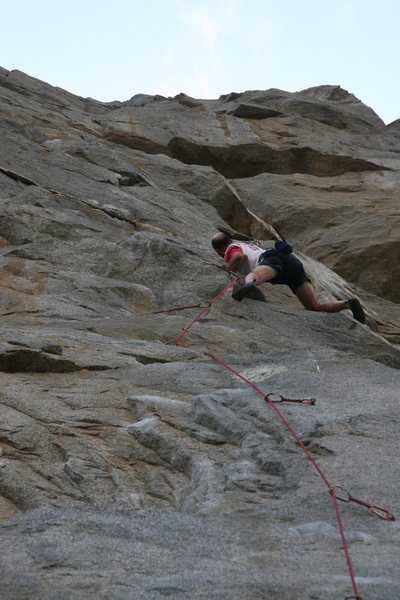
133	467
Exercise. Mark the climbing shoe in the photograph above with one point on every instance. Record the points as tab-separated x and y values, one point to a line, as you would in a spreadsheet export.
356	309
243	291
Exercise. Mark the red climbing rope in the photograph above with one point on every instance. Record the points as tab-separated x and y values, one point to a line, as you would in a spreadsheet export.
203	310
286	423
278	412
343	496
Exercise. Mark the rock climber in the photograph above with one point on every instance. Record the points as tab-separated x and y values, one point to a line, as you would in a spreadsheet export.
277	266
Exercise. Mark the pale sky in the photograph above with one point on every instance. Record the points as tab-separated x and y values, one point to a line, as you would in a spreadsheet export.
114	49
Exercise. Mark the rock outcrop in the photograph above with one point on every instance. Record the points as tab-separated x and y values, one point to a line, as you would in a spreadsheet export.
131	467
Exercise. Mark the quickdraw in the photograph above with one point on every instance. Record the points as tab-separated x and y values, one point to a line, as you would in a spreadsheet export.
168	310
345	496
308	401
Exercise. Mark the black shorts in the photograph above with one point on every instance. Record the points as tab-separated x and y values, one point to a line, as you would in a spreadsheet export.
291	270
